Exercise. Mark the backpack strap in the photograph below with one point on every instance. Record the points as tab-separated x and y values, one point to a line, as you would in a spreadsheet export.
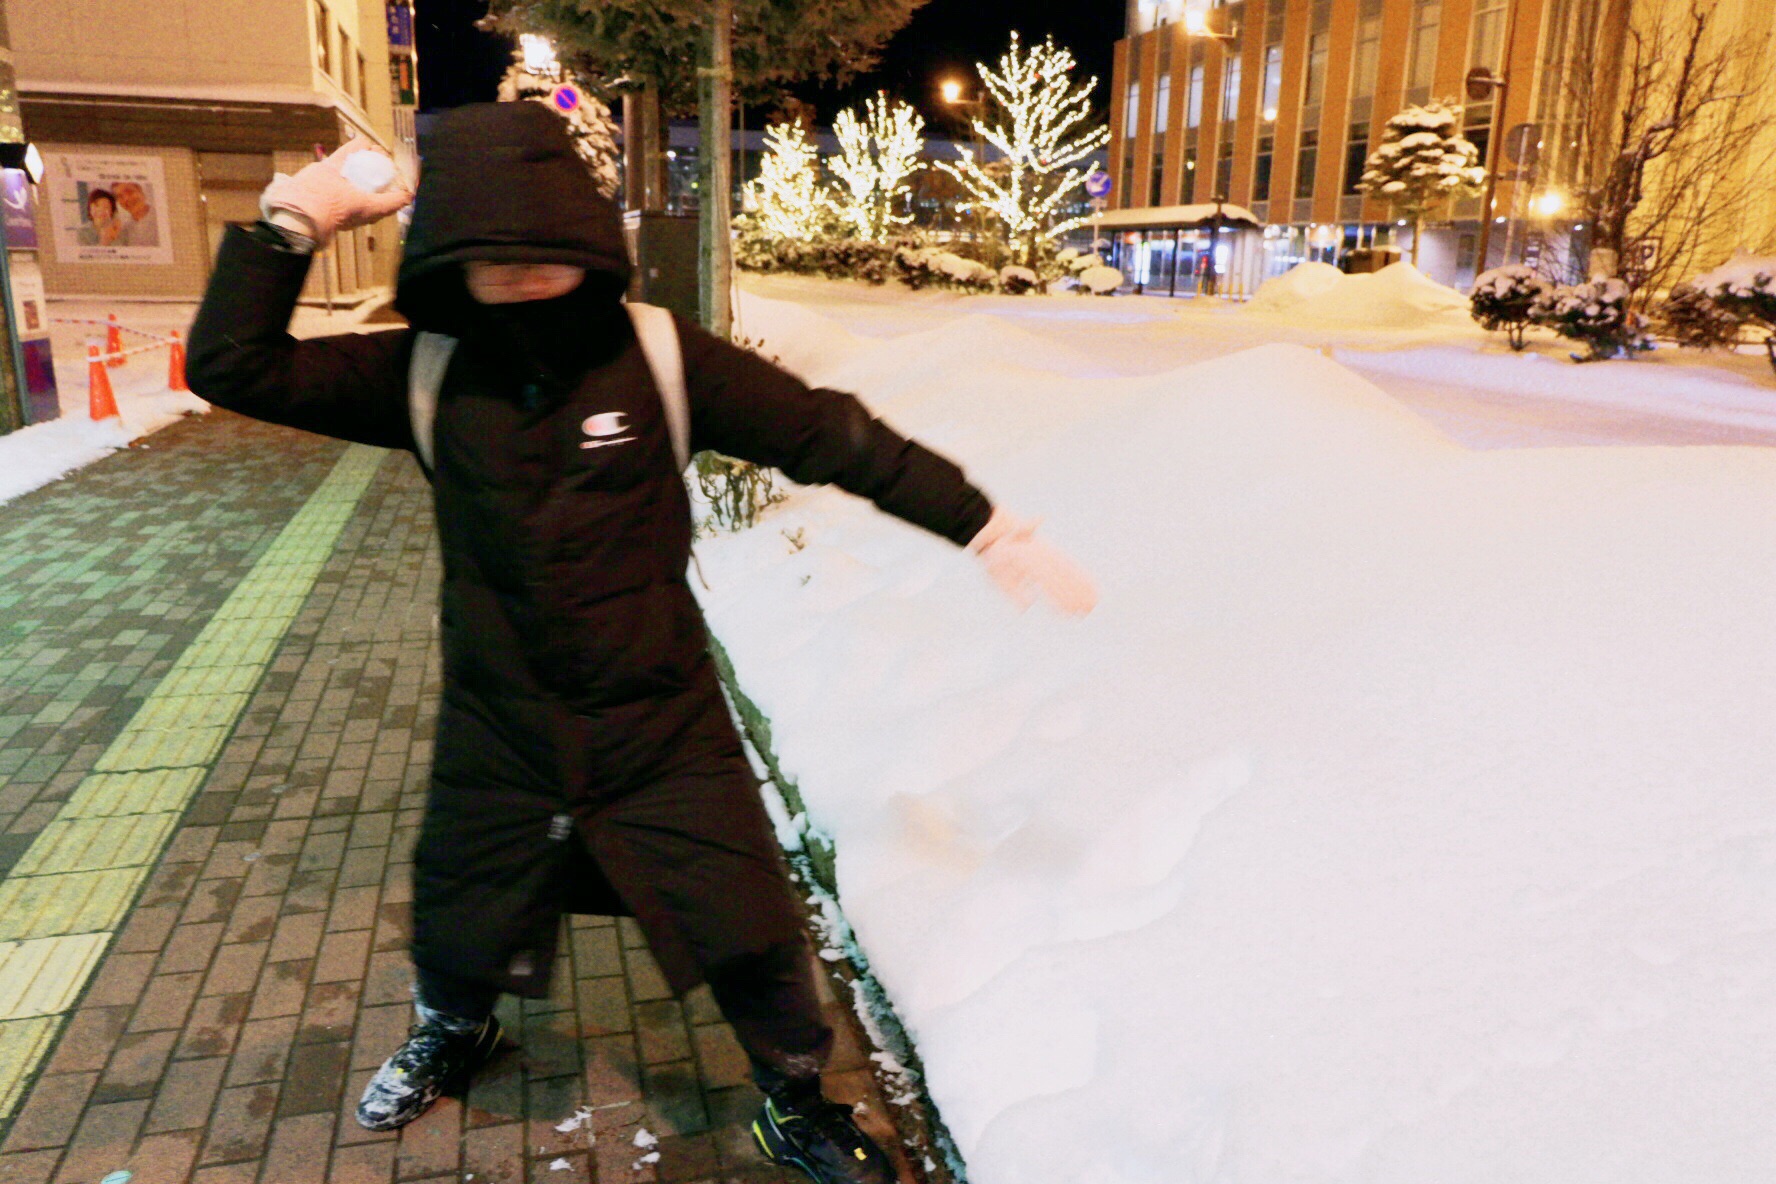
654	329
425	377
658	335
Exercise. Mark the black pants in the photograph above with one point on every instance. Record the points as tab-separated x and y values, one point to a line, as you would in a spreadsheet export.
768	998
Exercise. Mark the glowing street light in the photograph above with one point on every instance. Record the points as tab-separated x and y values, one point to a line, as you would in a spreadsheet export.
1548	204
951	90
539	53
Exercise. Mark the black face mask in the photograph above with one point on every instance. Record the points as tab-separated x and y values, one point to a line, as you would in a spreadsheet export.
554	342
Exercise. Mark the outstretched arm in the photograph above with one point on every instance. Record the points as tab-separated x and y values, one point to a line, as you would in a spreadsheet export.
744	406
242	356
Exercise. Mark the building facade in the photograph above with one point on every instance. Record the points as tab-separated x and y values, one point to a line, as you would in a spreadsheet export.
161	123
1274	105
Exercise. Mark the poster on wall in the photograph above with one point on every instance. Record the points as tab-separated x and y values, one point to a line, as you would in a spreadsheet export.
107	208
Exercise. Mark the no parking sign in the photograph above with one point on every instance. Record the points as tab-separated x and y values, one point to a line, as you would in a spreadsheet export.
565	98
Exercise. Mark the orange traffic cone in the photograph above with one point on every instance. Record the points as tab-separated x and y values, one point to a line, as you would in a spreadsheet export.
101	403
113	342
176	364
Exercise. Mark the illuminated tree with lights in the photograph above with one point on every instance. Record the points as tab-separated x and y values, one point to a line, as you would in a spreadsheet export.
1043	133
1423	160
535	75
877	155
787	201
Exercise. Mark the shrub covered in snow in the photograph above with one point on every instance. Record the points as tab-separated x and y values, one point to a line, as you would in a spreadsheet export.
1100	280
1016	281
1504	299
1746	289
1693	318
1597	314
920	267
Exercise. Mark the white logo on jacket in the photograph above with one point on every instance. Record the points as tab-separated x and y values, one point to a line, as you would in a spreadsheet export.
603	427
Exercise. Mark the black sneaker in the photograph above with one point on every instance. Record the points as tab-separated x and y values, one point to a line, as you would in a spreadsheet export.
433	1060
820	1138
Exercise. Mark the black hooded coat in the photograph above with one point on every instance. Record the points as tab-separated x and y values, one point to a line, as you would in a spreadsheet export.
585	758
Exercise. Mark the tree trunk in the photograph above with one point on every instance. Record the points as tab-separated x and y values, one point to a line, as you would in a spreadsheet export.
1417	238
716	265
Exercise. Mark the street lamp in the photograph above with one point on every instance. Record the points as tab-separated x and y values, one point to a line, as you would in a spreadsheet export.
951	90
1481	84
1196	24
539	54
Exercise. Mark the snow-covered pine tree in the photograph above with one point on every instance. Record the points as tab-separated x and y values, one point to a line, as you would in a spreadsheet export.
786	200
1423	160
877	155
590	124
1043	132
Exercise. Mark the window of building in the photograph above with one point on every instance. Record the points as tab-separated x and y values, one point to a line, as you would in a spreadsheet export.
1162	105
1368	59
1306	161
1421	57
1356	153
1261	168
1487	46
1230	90
1317	45
1193	105
323	37
1273	81
1224	166
1157	194
1131	111
363	81
346	58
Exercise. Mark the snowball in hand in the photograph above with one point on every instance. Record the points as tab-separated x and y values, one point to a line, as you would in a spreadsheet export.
369	171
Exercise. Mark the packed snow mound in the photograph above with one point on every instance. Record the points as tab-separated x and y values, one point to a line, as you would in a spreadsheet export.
1399	296
1286	292
1400	815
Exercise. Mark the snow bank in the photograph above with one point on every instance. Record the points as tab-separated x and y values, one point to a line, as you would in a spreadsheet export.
1401	814
1671	384
1399	296
36	455
1287	292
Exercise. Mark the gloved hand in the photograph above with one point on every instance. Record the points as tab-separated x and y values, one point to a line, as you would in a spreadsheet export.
337	193
1024	566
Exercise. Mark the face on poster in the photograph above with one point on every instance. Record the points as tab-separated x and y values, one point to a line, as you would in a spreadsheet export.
107	208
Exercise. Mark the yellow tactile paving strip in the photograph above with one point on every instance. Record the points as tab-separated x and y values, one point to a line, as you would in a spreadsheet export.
68	894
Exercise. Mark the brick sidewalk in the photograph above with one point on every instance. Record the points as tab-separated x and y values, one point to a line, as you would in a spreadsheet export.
261	974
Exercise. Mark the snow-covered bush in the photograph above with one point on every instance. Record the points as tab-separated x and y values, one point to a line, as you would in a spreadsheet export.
1597	314
1505	299
1016	281
920	267
1746	288
1692	318
1100	280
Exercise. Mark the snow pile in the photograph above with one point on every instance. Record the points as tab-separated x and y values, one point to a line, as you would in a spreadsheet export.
1401	814
1399	296
36	455
1301	283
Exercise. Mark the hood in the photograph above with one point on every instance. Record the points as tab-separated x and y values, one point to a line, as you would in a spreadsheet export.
501	182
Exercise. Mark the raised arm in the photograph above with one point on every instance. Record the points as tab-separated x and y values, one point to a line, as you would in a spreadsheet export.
242	356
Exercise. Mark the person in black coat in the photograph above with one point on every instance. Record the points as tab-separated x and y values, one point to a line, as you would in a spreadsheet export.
585	758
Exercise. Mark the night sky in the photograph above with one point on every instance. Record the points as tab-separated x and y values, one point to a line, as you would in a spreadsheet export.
459	64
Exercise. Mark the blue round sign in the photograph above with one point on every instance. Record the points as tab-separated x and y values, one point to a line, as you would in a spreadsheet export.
566	98
1097	184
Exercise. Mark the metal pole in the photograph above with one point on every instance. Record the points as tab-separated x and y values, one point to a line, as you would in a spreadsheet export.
716	164
1494	148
